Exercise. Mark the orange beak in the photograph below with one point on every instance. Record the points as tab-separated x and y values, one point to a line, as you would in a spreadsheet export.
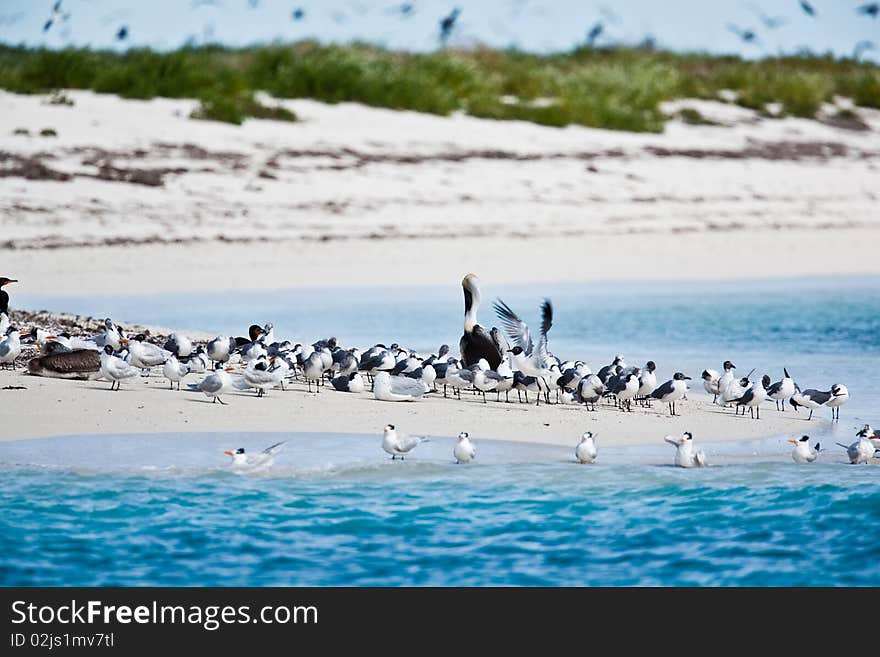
792	441
23	332
230	369
51	337
228	453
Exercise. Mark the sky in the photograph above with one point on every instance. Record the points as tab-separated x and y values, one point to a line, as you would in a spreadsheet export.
533	25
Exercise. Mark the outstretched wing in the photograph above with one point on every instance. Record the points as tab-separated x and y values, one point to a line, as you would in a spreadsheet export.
517	330
274	449
546	323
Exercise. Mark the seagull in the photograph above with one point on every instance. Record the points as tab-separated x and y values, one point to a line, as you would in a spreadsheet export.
114	369
353	382
723	381
113	335
811	399
625	388
781	390
476	342
807	8
608	371
143	354
174	371
590	390
263	459
802	452
313	370
258	374
839	396
710	383
528	358
486	380
753	397
57	16
10	346
464	450
746	34
179	345
586	450
399	444
647	381
735	390
215	384
122	33
671	391
220	349
862	450
397	388
685	457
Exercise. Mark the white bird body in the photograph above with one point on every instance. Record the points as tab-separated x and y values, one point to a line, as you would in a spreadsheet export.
258	375
262	459
114	369
220	348
685	454
180	345
586	450
144	355
464	450
10	346
399	444
862	450
215	384
803	452
174	370
313	369
647	380
711	381
397	388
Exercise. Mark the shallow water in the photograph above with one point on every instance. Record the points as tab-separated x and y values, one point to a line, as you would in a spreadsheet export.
334	510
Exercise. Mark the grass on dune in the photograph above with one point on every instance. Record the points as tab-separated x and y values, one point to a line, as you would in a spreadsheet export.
619	89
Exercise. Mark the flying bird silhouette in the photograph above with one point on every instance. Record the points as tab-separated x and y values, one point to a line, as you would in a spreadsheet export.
122	33
447	25
871	9
747	35
298	14
807	8
770	22
594	33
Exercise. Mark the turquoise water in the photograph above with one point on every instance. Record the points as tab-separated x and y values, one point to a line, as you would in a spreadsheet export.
139	510
333	511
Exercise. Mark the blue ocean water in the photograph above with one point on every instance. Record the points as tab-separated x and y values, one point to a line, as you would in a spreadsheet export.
333	510
166	509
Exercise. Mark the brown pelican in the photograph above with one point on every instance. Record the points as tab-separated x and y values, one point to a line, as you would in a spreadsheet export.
60	364
476	343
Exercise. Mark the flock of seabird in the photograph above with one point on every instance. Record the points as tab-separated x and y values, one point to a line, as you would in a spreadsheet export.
498	360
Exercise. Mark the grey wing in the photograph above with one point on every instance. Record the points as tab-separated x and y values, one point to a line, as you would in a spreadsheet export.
492	375
517	330
466	375
4	348
211	384
407	443
662	391
274	449
405	386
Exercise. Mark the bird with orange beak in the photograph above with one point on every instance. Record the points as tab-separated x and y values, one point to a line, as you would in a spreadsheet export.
10	347
803	452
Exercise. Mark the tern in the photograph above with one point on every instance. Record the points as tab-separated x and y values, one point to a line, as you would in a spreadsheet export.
399	444
262	459
861	450
10	347
803	452
174	371
586	450
215	384
685	456
464	450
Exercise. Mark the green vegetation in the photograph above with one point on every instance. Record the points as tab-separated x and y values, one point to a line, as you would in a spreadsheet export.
21	132
609	88
48	132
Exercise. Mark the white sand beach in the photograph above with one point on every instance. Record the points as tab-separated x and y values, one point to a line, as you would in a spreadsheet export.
135	197
50	407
